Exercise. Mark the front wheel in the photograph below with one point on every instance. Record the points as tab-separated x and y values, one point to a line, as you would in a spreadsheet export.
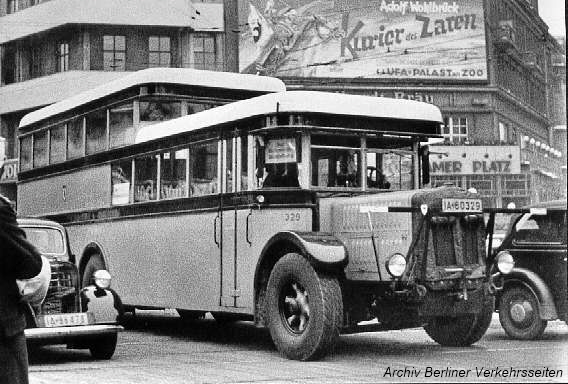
519	314
304	308
103	347
460	331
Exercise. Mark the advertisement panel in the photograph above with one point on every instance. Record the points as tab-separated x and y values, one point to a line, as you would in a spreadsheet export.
374	39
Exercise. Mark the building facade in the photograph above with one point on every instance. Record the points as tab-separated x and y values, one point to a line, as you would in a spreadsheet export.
490	65
50	50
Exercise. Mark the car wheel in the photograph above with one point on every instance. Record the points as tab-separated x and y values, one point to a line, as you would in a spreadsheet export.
94	264
304	308
519	314
460	331
103	347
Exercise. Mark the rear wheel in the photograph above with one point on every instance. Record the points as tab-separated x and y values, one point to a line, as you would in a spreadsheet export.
304	308
94	264
460	331
103	347
519	314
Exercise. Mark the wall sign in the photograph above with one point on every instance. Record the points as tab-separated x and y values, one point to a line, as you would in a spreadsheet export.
475	160
9	171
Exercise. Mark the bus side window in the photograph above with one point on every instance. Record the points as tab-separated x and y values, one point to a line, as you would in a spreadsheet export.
121	176
173	173
145	178
203	162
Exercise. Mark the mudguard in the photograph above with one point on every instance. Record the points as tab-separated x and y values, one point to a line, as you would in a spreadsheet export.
532	281
323	250
104	304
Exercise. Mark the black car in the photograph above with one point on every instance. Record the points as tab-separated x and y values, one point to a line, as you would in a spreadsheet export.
536	290
78	317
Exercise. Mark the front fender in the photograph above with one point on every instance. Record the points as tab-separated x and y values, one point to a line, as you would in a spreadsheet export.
104	304
323	250
532	281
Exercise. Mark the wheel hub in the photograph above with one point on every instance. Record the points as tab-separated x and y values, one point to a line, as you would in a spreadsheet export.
521	311
296	309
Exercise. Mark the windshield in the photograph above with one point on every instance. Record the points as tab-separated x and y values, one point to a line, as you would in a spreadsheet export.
46	240
335	162
341	162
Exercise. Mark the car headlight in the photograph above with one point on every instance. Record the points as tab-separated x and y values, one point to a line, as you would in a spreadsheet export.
396	265
505	262
102	279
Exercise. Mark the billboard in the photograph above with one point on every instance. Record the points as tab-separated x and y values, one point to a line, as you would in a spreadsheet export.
364	39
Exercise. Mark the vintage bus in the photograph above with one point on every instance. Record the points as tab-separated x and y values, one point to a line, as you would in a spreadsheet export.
303	211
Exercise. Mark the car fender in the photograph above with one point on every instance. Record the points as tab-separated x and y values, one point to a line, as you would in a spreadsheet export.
104	304
321	249
531	280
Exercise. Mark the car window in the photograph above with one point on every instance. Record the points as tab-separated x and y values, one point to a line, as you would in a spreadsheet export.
46	240
549	228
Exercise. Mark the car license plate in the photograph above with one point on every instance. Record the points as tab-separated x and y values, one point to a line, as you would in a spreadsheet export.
461	205
66	319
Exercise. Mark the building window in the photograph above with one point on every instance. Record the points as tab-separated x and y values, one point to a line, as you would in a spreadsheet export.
11	6
204	51
62	57
455	129
35	61
159	51
114	53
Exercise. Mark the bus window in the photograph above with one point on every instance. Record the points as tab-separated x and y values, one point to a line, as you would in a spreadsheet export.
121	125
244	163
96	123
204	169
40	149
279	164
389	164
173	174
197	107
57	144
158	110
336	162
26	153
145	178
121	177
75	142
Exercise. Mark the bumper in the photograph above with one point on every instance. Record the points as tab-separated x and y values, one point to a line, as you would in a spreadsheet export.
452	304
69	333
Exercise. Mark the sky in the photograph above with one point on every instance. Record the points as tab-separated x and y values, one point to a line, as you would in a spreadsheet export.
552	12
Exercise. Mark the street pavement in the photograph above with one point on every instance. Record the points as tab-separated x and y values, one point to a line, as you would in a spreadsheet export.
162	349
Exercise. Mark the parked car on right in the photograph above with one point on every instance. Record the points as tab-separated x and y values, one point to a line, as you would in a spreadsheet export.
536	290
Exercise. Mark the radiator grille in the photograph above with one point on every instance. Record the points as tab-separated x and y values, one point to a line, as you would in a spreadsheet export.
456	241
63	294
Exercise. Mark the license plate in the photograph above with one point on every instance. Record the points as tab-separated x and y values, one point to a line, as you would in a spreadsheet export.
461	205
65	320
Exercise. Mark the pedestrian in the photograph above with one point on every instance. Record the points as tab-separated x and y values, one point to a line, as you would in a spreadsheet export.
18	260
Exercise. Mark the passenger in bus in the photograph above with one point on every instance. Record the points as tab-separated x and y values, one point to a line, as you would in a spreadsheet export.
347	176
281	175
376	179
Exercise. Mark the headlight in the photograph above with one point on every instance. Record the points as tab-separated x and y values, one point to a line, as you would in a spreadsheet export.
102	279
396	264
505	262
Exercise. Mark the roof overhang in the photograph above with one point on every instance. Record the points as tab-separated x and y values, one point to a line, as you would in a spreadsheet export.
162	13
47	90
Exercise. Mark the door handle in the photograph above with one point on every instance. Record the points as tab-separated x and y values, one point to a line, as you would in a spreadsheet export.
215	230
247	228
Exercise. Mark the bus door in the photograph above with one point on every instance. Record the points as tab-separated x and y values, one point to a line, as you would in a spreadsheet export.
228	222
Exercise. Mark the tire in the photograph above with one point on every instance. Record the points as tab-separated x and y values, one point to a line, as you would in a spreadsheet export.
461	331
304	309
94	264
103	347
519	314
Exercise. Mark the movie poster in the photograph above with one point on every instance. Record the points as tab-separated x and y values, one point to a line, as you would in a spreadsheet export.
375	39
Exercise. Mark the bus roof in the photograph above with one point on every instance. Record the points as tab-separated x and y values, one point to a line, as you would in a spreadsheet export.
295	102
182	76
